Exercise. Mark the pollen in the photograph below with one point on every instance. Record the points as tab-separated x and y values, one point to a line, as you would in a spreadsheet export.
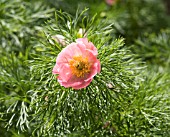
79	66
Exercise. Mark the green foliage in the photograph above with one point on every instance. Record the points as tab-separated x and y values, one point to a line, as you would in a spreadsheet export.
68	111
146	115
131	18
114	104
19	21
135	17
128	97
154	48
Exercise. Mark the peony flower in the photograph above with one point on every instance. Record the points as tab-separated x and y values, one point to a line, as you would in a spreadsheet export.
77	64
110	2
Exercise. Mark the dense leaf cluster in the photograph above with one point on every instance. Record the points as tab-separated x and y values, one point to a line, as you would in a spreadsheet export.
130	97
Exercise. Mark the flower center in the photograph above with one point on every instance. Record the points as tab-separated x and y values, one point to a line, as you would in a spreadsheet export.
79	66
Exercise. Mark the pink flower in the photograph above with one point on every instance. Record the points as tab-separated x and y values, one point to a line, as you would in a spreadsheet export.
110	2
77	64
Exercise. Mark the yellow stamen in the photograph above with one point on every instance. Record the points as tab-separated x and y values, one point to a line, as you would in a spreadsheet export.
79	66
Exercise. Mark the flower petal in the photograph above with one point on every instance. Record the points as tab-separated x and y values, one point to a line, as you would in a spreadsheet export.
89	45
93	72
65	73
68	52
83	84
73	81
55	69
